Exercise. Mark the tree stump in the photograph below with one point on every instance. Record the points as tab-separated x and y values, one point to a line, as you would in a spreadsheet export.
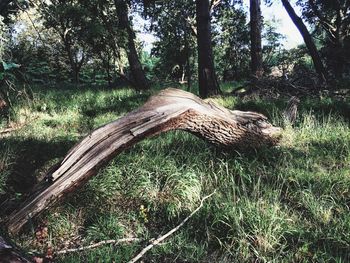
171	109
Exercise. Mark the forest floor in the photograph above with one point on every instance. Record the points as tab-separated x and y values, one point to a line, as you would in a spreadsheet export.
288	203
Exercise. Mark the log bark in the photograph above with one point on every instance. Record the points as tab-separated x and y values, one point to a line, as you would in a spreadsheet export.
171	109
10	254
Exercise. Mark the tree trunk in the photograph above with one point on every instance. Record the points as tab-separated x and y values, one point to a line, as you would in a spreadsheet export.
171	109
208	84
74	65
188	58
10	254
335	30
76	76
255	39
308	41
135	65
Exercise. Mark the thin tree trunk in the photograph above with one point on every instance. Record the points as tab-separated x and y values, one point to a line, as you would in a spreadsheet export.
75	68
333	29
107	67
208	84
255	38
188	66
308	41
135	65
171	109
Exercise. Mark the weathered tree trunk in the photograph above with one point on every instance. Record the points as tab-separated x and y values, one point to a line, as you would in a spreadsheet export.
208	84
308	41
171	109
137	72
9	254
188	59
255	39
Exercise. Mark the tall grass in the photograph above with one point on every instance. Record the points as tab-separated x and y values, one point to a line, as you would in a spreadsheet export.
289	203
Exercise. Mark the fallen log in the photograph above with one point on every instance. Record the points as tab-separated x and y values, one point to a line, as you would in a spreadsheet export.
10	254
171	109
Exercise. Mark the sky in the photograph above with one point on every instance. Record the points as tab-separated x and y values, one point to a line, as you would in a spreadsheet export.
276	11
286	26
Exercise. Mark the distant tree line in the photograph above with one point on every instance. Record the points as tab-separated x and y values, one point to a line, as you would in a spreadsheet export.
210	41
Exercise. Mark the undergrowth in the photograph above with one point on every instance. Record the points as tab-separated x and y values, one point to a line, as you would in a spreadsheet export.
288	203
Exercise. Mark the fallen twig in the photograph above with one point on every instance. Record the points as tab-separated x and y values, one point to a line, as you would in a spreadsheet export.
105	242
9	130
161	238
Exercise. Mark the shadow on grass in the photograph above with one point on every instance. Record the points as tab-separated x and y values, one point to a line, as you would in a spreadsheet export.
93	109
120	107
326	107
29	162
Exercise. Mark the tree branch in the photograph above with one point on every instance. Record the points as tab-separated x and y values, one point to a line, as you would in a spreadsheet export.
105	242
172	231
323	21
213	4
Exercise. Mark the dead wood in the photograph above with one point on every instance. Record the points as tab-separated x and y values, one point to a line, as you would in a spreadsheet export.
98	244
171	109
169	233
10	254
290	112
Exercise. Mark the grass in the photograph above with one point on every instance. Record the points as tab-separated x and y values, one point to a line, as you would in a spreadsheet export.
289	203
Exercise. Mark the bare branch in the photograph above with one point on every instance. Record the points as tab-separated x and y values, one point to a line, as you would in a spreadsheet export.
172	231
323	21
191	22
32	22
105	242
213	4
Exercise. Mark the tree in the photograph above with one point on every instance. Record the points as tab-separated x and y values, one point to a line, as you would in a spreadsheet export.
136	69
308	41
103	37
331	22
231	41
255	38
272	43
208	84
69	19
172	24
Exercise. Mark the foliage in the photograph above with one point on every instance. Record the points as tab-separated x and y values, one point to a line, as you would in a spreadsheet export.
172	24
3	37
231	39
331	24
7	76
273	42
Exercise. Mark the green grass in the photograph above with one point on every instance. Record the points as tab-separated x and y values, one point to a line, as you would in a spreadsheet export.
289	203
